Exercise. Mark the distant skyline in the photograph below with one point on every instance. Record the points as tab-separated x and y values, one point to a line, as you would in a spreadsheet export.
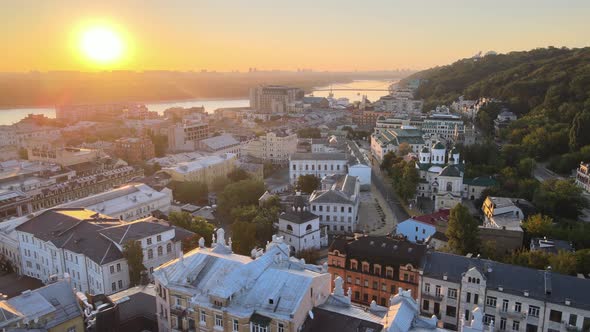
332	35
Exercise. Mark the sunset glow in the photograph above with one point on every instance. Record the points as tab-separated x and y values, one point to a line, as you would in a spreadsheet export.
102	45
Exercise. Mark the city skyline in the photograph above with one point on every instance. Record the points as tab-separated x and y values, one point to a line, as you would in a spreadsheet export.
184	35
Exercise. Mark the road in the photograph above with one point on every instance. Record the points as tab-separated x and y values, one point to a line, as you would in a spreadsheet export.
386	190
542	174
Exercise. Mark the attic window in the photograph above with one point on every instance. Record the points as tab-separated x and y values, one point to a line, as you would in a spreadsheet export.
271	301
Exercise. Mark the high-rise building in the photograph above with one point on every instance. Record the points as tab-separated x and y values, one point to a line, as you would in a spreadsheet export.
273	98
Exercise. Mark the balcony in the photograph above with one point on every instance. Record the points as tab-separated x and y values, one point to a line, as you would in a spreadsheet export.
571	328
436	297
516	315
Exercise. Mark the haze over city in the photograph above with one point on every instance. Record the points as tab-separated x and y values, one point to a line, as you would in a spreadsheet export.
321	35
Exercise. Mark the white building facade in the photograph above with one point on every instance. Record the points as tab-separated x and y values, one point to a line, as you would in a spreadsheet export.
337	203
300	228
317	164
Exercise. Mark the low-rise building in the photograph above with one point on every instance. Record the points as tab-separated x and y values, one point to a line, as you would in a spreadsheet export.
134	150
421	228
336	203
89	246
225	143
53	308
550	245
129	202
203	169
447	126
583	176
503	120
502	222
375	267
213	289
317	164
185	135
514	298
63	156
274	147
300	228
389	141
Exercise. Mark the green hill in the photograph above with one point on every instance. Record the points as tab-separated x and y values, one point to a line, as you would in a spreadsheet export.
548	88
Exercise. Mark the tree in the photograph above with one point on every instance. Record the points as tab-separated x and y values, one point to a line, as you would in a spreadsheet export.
244	237
309	133
308	183
583	261
190	192
133	253
389	159
560	198
310	256
238	174
241	193
403	149
563	262
579	134
462	231
197	225
160	144
538	225
190	243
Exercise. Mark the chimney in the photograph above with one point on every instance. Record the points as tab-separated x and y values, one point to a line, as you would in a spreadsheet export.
548	281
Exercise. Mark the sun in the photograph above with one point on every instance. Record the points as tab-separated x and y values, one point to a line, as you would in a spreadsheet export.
101	44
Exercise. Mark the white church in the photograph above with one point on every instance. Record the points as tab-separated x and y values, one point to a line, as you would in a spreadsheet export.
441	176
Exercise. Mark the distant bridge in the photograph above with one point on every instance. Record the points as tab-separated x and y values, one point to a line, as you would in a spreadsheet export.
351	90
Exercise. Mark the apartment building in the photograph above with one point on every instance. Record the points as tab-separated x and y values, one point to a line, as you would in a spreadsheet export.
317	164
225	143
185	135
274	147
134	150
214	289
513	298
274	98
204	169
389	140
63	156
375	267
447	126
88	246
337	203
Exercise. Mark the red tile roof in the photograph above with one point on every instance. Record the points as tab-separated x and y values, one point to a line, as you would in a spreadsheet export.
434	218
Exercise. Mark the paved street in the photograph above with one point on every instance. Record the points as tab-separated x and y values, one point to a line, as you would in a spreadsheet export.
542	174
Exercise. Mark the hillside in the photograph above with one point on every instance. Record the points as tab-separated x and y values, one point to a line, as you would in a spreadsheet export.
548	88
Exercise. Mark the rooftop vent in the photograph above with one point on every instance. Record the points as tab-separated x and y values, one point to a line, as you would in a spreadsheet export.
526	293
501	288
568	302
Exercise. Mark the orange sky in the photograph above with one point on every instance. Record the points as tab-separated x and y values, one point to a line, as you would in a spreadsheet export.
268	34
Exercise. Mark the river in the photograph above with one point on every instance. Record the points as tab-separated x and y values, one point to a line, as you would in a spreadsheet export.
10	116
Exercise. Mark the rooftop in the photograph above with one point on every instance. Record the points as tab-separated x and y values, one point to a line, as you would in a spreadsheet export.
319	156
199	163
219	142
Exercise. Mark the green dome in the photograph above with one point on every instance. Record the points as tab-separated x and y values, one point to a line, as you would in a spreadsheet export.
424	150
438	146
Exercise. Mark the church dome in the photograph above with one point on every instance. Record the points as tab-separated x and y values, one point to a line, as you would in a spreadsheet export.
438	146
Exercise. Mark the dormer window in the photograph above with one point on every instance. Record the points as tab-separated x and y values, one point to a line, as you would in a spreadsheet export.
353	265
365	267
377	270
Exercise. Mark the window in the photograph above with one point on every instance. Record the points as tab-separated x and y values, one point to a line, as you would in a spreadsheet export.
491	301
353	265
504	305
120	284
426	288
235	325
452	293
466	315
375	285
203	316
365	267
487	319
159	238
348	279
258	328
366	283
377	270
573	319
118	267
389	272
150	254
475	298
384	287
555	316
437	290
149	241
281	327
112	268
502	324
160	251
218	321
451	311
518	307
426	305
168	248
114	286
366	297
515	325
357	281
534	311
468	297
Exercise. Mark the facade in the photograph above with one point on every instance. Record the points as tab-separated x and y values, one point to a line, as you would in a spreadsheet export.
75	113
88	247
214	289
447	126
275	147
583	176
375	268
337	203
203	169
63	156
514	298
300	228
53	308
441	178
185	135
225	143
421	228
273	98
502	213
134	150
390	140
130	202
400	103
317	164
367	118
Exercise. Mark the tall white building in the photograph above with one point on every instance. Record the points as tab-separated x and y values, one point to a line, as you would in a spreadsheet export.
89	247
185	135
337	203
274	98
317	164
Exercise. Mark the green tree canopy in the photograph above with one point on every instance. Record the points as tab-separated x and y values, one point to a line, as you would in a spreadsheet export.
190	192
308	183
462	231
133	253
560	198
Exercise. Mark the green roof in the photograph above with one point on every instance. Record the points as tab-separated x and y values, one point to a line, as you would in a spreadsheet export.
481	181
438	146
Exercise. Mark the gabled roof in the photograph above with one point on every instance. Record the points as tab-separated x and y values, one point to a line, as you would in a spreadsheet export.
135	230
434	218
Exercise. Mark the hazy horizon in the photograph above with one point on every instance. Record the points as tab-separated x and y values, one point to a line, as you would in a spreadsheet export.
336	36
